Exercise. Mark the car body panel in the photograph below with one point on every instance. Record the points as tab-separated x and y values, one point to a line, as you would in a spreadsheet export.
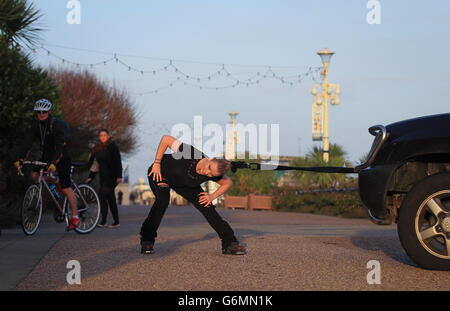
425	139
416	137
373	183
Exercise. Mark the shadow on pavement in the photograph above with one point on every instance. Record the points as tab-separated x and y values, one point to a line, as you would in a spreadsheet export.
389	245
96	263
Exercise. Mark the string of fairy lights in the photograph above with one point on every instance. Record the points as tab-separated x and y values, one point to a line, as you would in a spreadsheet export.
221	78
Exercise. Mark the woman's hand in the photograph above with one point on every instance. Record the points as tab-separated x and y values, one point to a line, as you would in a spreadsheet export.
156	171
118	181
205	199
88	181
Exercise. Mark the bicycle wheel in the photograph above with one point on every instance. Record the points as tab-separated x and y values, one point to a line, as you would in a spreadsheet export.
31	210
89	213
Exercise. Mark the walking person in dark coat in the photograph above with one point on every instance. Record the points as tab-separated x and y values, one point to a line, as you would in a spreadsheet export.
107	155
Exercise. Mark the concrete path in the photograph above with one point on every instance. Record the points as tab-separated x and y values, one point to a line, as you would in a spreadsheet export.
286	251
19	254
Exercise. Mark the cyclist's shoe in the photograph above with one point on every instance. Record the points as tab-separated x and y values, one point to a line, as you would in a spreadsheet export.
234	248
146	247
74	222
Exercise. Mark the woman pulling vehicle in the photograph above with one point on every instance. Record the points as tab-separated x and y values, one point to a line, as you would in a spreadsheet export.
184	171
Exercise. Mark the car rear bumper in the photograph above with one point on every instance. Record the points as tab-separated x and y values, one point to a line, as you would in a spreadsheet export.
373	185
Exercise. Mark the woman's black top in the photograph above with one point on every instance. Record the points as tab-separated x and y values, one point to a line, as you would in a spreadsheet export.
178	168
110	165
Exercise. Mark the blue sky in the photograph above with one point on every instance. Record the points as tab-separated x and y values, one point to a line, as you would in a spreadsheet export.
388	72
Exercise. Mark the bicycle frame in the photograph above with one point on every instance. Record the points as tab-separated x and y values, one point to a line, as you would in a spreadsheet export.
86	197
41	181
75	189
43	184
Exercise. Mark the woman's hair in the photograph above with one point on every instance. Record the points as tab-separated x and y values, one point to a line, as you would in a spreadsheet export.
222	165
104	130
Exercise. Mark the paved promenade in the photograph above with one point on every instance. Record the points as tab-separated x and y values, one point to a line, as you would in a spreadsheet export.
286	251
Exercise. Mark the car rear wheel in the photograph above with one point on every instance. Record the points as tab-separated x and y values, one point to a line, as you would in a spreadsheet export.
424	222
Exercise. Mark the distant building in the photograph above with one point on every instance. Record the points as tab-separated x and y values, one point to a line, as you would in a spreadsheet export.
124	188
143	195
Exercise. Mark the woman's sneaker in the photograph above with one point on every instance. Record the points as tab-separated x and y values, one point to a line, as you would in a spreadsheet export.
234	248
146	247
112	226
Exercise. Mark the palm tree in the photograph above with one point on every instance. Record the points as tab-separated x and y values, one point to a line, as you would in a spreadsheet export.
303	178
337	158
18	24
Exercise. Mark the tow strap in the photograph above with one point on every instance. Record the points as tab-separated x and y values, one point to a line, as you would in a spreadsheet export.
270	167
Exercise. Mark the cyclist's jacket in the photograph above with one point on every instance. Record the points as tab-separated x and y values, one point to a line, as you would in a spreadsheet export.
54	138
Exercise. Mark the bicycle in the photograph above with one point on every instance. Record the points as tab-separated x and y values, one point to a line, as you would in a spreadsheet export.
88	203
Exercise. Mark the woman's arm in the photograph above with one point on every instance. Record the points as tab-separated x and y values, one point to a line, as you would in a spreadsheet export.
225	184
92	171
166	142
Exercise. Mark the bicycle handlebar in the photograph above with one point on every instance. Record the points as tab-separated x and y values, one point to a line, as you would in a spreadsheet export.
37	163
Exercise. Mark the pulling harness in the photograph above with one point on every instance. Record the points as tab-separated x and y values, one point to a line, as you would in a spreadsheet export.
270	167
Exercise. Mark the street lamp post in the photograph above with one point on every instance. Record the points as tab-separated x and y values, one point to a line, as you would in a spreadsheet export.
324	96
233	115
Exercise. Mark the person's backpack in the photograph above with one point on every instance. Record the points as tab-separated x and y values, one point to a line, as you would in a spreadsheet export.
66	128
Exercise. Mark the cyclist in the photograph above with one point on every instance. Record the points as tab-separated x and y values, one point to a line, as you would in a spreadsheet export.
53	134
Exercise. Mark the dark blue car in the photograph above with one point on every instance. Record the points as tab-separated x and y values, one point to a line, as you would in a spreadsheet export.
406	180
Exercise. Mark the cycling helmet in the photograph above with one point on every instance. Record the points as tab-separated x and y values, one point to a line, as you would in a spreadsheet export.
43	105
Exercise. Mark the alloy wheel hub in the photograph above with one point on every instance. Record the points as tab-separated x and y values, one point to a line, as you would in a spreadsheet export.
446	224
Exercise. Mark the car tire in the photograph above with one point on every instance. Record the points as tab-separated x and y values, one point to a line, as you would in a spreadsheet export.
424	222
